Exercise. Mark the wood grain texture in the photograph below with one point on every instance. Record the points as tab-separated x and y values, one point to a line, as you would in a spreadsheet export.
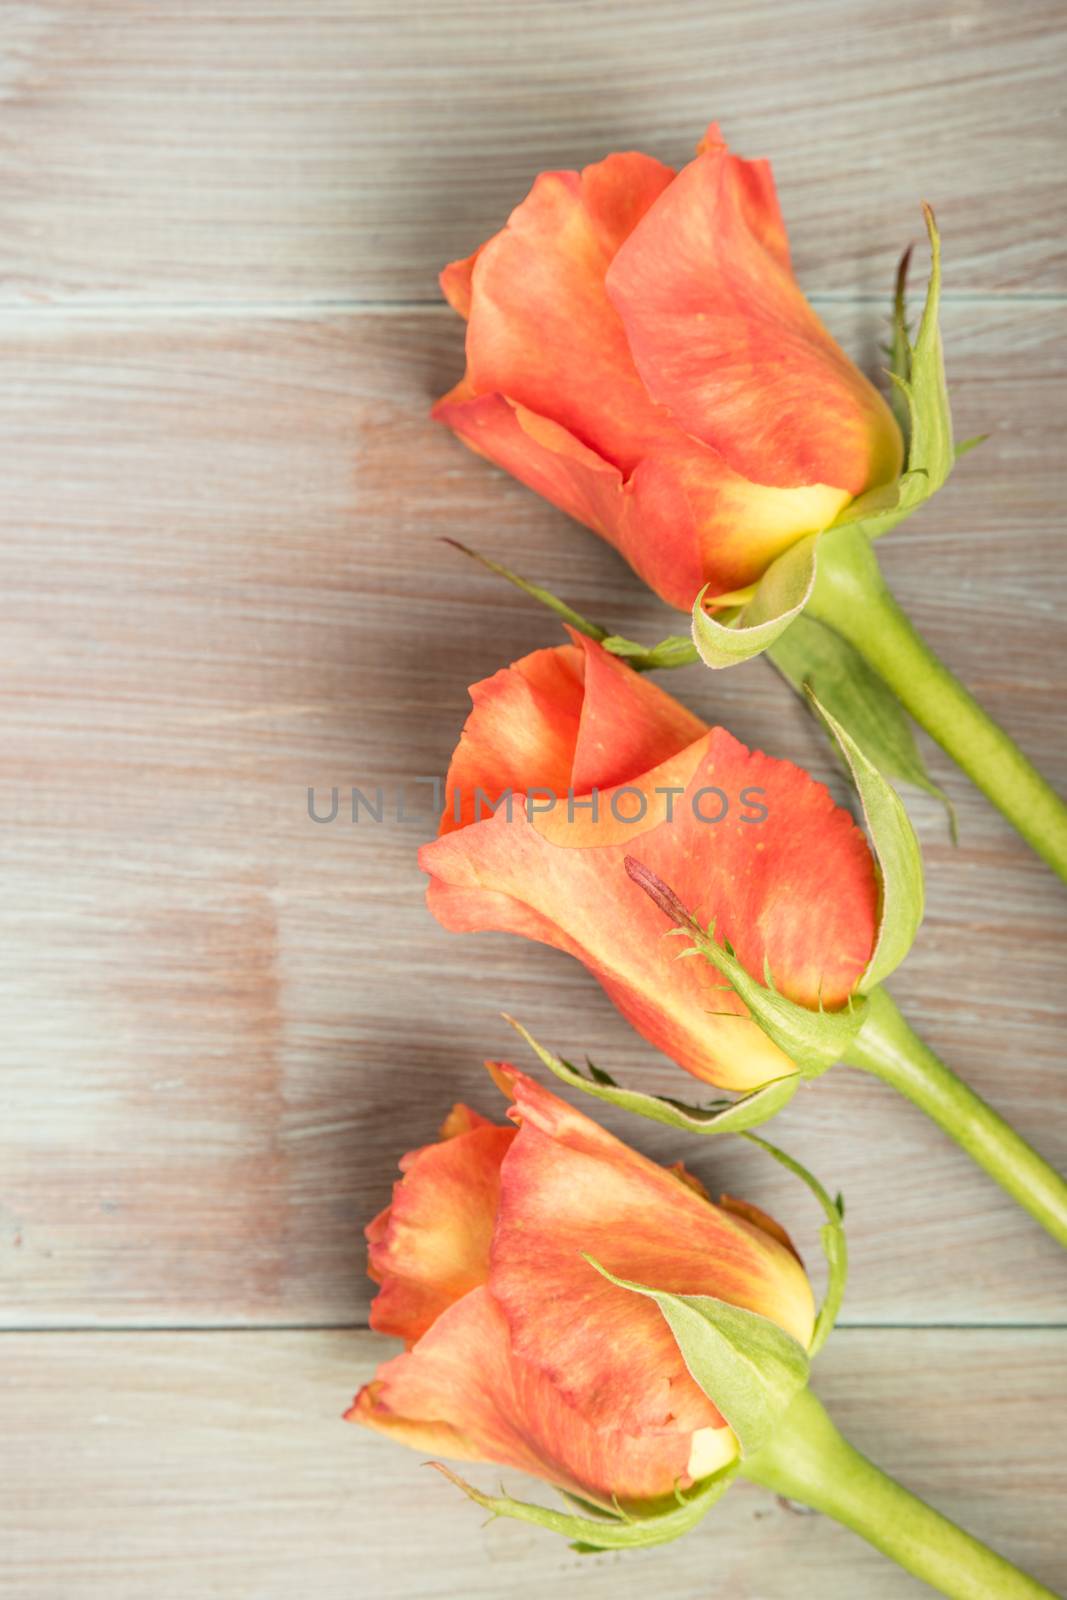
259	151
177	1464
222	582
226	1022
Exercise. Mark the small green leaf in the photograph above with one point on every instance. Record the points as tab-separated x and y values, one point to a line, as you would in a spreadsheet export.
677	650
811	654
900	866
749	1368
722	1116
832	1236
656	1525
813	1040
543	596
781	595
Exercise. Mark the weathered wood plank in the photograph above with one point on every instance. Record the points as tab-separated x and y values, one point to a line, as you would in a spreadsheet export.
178	1464
255	151
222	1022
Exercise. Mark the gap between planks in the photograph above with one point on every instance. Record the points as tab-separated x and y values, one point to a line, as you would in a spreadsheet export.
295	310
112	1328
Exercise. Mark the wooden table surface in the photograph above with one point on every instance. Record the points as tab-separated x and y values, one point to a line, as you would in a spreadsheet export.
224	581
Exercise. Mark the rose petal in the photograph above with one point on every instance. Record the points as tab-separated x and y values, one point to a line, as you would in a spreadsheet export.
568	1188
757	196
628	723
542	330
777	436
723	338
431	1245
758	1219
461	1391
737	528
455	281
521	734
430	1438
796	891
573	717
461	1119
649	518
682	519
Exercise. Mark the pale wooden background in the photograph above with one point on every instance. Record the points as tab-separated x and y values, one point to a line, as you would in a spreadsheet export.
220	222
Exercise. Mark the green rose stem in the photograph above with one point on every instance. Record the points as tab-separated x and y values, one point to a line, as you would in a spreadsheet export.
808	1460
889	1048
851	596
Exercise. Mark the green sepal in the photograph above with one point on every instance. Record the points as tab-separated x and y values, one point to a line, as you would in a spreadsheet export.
967	445
900	866
620	1530
781	594
832	1236
811	654
676	650
899	351
721	1116
917	374
813	1040
590	1508
749	1367
930	448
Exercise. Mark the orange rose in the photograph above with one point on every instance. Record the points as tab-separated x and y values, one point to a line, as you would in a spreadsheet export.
638	352
522	1353
784	873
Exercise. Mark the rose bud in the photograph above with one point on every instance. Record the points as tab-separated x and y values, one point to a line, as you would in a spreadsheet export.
639	352
522	1352
749	842
577	1312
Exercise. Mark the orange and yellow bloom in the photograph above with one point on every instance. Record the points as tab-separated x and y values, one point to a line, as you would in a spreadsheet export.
519	1351
784	873
639	352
